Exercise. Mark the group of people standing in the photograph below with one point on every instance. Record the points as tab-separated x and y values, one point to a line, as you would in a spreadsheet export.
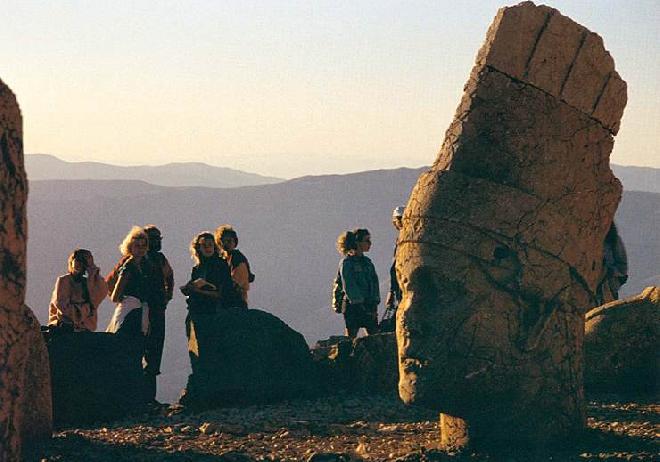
142	283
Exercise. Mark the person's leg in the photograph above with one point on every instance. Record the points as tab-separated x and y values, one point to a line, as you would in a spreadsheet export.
155	341
371	319
351	320
153	351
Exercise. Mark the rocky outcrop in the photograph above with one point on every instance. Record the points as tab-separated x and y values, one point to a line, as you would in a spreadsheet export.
244	357
375	363
96	377
622	344
25	405
365	365
502	246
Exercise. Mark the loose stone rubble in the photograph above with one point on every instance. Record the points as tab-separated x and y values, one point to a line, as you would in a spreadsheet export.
502	246
333	429
25	405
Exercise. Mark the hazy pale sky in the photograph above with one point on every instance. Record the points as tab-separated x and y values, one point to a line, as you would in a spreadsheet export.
282	88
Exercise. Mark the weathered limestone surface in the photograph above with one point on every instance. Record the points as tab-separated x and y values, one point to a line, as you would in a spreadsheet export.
501	250
25	405
622	345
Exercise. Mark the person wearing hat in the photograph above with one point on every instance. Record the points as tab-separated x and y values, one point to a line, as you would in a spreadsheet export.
388	322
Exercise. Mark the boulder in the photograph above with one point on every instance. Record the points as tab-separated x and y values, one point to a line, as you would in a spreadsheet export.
366	365
242	357
622	344
375	368
96	377
501	249
25	401
332	358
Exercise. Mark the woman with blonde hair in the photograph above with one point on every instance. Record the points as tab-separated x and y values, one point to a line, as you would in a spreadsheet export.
131	292
76	298
356	293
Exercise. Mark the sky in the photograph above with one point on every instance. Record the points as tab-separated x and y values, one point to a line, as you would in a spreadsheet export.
281	88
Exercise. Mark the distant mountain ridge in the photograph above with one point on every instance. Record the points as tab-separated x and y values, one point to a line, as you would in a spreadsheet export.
188	174
638	178
49	167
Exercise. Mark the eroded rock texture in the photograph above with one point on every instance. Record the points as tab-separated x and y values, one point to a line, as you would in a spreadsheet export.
622	346
25	407
501	250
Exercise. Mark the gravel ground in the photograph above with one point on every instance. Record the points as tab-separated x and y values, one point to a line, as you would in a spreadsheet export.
374	428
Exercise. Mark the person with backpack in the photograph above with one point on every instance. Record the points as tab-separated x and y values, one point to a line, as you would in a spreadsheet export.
75	300
226	239
388	322
356	291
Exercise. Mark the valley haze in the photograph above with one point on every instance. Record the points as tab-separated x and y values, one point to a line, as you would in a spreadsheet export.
287	230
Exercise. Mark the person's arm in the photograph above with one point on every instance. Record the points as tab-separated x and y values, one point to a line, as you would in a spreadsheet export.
113	275
168	278
187	289
211	293
394	292
98	288
118	292
241	276
375	287
62	301
337	293
349	280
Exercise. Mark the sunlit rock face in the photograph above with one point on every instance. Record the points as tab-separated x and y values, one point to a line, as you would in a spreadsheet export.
25	405
502	246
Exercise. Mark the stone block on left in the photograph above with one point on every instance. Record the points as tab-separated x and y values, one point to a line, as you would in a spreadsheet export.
25	403
96	377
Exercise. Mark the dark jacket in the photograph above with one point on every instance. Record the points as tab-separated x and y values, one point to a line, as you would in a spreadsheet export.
215	271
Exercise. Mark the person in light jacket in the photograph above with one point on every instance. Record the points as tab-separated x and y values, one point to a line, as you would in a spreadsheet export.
356	292
75	300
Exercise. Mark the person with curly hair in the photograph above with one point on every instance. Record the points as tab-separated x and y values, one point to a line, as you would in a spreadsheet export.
132	291
356	292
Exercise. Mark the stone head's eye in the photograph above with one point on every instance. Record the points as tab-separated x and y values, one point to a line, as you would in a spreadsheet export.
501	252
